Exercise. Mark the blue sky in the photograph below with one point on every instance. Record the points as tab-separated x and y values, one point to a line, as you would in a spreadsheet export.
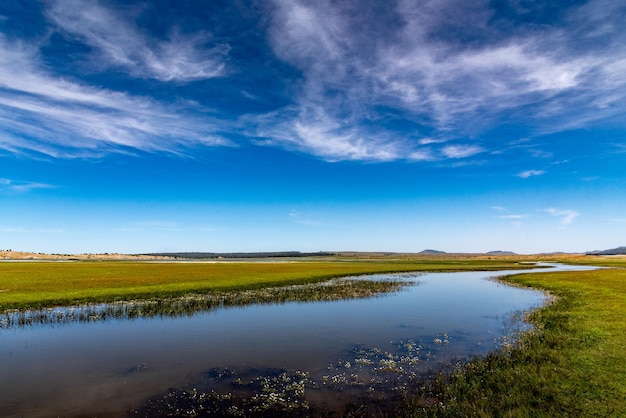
145	126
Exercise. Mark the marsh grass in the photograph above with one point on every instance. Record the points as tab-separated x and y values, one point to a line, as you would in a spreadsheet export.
572	365
189	305
30	285
365	382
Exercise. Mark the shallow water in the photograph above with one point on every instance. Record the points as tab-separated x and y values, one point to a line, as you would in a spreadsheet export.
109	368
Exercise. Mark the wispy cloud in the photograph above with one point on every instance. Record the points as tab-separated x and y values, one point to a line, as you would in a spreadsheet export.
58	117
617	220
621	148
16	186
20	230
316	132
304	219
427	141
119	43
416	59
567	216
517	217
422	155
407	81
538	153
461	151
530	173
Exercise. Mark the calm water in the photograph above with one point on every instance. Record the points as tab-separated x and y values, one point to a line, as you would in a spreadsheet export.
108	368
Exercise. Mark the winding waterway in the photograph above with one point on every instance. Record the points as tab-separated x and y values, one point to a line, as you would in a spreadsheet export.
109	368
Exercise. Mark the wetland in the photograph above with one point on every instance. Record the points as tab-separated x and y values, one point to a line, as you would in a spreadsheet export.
353	344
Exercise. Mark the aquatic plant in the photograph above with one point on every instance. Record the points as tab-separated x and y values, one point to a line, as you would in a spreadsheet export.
189	305
375	379
271	393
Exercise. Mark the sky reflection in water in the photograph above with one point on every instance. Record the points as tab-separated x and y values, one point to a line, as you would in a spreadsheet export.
110	367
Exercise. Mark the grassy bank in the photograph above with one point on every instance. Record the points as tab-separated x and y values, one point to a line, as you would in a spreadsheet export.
46	284
574	365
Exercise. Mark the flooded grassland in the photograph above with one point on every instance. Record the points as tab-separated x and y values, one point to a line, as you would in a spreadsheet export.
347	345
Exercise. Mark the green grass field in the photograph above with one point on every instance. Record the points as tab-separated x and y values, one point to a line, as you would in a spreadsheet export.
573	365
46	284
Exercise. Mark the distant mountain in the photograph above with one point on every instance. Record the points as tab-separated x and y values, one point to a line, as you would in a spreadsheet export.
498	252
431	252
614	251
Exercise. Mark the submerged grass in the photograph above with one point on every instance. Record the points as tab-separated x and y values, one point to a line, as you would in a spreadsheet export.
27	285
572	365
189	305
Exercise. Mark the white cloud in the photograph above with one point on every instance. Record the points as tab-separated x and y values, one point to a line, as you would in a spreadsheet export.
362	68
20	230
322	139
542	154
461	151
421	155
354	62
515	219
567	216
7	229
428	141
16	186
120	43
513	216
62	118
304	219
530	173
621	148
315	132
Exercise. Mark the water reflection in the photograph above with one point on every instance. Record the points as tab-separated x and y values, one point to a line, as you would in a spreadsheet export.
189	305
296	356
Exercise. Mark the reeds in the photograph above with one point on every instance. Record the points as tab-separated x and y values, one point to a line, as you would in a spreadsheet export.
191	304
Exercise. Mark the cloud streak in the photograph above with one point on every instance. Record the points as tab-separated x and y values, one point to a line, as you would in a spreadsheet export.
515	217
567	216
119	43
426	81
61	118
301	219
16	186
530	173
407	58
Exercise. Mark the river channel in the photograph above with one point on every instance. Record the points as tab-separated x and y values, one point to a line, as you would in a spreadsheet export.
302	355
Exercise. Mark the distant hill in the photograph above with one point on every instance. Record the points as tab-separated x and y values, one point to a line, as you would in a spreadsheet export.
431	252
614	251
498	252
